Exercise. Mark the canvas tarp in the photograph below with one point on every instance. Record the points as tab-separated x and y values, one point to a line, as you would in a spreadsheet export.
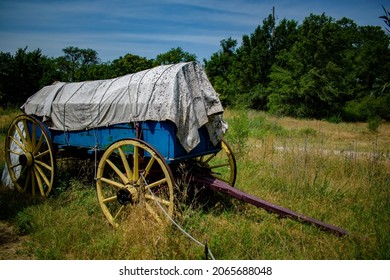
180	93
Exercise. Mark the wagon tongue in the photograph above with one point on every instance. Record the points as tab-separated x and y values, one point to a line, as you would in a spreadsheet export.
223	187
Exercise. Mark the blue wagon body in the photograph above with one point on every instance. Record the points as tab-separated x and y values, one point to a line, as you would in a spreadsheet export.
160	135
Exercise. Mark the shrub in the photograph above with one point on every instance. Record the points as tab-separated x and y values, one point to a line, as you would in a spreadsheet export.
238	132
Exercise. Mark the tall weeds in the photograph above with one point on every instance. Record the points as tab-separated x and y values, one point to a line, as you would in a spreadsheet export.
238	132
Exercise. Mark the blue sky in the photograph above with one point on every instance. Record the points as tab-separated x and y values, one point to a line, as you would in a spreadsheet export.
147	28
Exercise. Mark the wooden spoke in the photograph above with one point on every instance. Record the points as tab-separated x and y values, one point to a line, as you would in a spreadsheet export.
125	164
39	181
155	184
16	165
38	145
117	171
43	176
119	212
28	180
41	163
15	152
20	145
110	199
209	158
39	155
21	136
112	183
160	200
136	164
149	166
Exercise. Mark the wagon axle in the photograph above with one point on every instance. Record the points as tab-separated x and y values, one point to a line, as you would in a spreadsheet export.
128	195
124	197
26	159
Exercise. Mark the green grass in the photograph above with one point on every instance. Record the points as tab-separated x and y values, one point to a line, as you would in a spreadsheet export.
337	173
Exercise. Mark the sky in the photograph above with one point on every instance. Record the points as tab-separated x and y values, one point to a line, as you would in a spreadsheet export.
147	28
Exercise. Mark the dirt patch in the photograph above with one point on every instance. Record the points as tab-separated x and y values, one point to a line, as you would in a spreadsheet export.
12	245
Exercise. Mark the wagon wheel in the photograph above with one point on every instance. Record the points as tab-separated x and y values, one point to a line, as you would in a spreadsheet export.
30	156
222	165
131	173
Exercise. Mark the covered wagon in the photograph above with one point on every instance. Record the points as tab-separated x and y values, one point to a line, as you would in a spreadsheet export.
137	129
134	127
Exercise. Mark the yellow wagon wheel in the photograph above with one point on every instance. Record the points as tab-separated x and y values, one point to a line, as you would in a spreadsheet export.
130	174
29	156
222	165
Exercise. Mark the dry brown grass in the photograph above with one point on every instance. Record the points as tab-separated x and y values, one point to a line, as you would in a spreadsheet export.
342	136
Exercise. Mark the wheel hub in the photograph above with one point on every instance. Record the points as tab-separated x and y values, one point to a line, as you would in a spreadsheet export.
26	159
127	196
124	197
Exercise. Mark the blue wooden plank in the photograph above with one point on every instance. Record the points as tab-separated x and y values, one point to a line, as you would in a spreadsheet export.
160	135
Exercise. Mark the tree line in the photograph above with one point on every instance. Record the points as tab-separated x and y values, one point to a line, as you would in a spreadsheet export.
25	72
322	68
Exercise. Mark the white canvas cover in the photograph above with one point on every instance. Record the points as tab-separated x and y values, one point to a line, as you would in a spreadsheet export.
180	93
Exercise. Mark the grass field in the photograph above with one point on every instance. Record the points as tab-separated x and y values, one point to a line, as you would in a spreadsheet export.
337	173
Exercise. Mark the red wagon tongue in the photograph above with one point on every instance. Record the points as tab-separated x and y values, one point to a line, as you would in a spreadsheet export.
223	187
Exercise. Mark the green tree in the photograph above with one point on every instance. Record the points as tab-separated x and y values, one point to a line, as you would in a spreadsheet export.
76	62
100	71
219	70
130	64
51	72
372	94
174	55
20	75
241	75
6	60
257	55
316	76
